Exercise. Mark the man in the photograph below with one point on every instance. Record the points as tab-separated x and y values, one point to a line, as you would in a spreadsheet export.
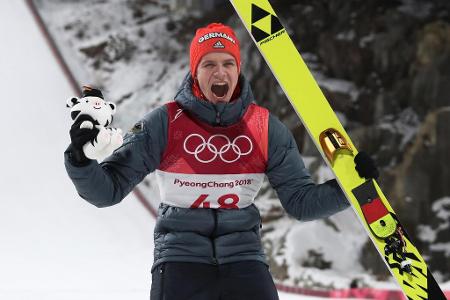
211	149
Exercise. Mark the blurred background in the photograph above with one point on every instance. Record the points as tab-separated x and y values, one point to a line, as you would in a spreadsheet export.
383	65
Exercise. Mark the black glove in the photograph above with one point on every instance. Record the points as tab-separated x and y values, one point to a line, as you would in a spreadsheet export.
365	166
79	137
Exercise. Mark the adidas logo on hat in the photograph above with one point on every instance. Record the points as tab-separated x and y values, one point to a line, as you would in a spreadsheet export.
218	44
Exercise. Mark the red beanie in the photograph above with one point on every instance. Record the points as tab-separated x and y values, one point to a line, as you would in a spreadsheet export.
215	37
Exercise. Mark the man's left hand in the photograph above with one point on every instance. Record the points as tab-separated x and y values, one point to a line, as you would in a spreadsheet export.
366	166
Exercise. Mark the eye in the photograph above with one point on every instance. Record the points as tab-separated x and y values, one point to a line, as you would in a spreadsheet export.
87	101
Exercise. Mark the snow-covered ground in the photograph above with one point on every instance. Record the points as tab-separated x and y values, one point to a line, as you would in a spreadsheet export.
53	244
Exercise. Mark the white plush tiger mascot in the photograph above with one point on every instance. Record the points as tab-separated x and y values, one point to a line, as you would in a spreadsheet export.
93	104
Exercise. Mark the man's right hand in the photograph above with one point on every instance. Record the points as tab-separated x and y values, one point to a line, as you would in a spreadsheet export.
79	137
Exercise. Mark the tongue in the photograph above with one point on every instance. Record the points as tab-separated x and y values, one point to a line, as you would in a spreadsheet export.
219	90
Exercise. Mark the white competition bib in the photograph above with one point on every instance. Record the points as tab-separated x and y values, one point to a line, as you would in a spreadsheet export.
228	191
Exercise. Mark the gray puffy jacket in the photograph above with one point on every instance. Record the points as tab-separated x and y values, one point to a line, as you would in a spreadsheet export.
213	236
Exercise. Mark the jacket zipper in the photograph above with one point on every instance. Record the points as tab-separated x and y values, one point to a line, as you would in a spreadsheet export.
217	118
213	238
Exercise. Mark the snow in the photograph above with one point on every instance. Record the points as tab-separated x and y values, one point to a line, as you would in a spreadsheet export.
125	78
406	125
336	85
310	236
324	173
441	247
365	40
417	9
442	208
346	36
426	233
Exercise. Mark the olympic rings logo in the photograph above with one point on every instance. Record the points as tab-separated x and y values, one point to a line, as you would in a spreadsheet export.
215	150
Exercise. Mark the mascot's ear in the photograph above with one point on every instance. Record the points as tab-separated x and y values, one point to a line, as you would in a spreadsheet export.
72	101
113	107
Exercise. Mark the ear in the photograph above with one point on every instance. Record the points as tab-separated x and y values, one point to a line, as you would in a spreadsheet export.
72	101
113	107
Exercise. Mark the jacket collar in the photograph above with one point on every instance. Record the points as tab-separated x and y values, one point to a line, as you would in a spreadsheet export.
221	114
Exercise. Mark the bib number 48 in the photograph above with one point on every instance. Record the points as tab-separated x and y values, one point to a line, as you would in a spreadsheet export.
228	201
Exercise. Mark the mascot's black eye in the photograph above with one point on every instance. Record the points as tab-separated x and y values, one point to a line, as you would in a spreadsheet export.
87	101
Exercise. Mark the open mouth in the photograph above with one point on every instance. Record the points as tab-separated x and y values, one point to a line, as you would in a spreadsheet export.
219	89
95	107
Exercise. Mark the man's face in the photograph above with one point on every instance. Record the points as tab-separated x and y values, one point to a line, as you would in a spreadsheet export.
217	75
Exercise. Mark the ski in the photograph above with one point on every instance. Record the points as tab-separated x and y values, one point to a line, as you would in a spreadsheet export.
388	235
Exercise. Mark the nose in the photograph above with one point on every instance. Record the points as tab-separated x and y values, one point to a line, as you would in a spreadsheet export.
220	71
